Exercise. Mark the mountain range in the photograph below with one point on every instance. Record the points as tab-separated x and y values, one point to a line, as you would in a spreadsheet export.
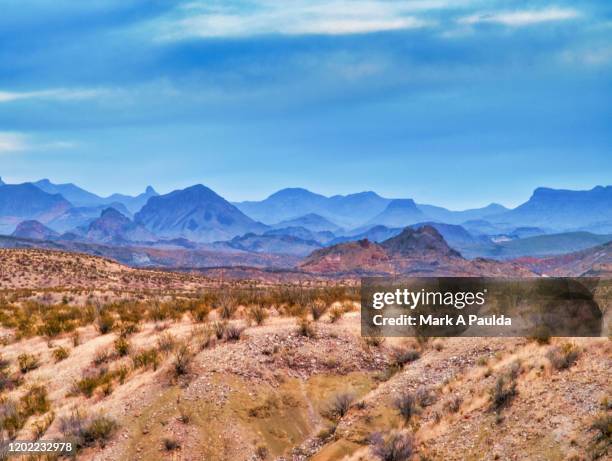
296	221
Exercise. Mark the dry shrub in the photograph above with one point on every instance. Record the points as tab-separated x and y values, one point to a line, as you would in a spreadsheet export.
101	356
453	403
34	401
405	404
40	426
340	405
170	444
219	328
503	392
373	341
317	309
425	397
87	431
182	360
200	312
258	314
105	323
146	358
60	353
91	380
166	342
306	329
393	446
335	314
601	442
233	333
564	356
27	362
122	346
227	306
403	356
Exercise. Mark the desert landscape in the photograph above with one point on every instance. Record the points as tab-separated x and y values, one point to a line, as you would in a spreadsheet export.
151	364
220	219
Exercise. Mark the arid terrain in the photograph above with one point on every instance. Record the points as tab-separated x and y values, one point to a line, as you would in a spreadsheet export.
143	365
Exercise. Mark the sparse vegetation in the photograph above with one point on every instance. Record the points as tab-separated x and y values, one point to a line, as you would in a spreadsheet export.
122	346
87	431
393	446
170	444
146	358
306	329
503	392
425	397
340	405
258	314
233	333
182	360
60	353
403	356
564	356
27	362
453	403
405	404
166	343
601	442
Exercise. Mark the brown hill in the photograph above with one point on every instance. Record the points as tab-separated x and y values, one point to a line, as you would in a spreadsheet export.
596	261
418	252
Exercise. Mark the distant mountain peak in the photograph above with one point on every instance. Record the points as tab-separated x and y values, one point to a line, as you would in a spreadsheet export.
402	203
2	183
150	191
32	229
197	213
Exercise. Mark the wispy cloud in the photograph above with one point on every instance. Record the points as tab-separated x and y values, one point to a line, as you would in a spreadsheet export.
520	18
331	17
61	94
12	142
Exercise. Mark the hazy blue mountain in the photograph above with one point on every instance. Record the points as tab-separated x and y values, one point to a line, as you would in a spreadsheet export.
399	213
79	197
355	209
21	202
2	183
114	227
133	204
287	204
303	233
310	221
526	231
483	227
456	236
563	210
275	244
541	245
74	194
439	214
81	217
196	213
373	234
35	230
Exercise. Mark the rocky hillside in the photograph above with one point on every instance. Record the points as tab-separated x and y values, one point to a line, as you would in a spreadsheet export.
414	251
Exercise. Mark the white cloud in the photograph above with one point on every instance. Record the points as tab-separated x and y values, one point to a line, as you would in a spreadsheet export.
301	17
61	94
521	17
12	142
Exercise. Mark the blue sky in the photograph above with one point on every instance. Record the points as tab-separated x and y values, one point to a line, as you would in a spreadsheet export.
451	102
